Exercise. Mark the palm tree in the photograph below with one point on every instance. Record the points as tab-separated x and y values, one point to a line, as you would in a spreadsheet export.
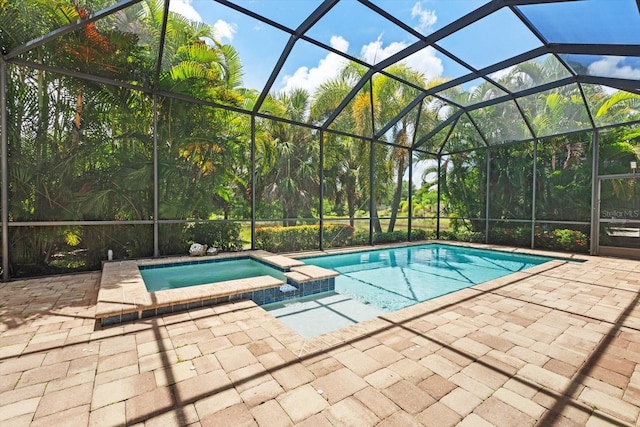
344	169
289	156
392	96
389	97
59	125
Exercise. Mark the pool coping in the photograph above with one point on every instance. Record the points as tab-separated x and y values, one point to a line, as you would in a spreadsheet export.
328	339
566	256
123	296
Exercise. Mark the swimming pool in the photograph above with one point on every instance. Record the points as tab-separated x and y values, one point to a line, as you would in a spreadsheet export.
171	276
391	279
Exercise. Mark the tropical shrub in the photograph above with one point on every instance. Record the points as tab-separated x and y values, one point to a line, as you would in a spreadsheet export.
463	236
390	237
562	239
420	234
336	236
555	239
304	237
518	236
360	238
222	235
301	237
401	236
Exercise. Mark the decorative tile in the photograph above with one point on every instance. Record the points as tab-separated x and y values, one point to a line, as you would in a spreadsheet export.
149	313
129	317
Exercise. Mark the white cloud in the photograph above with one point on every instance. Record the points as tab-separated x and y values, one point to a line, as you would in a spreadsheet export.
339	43
419	175
609	90
375	52
223	30
328	68
184	8
426	18
610	66
424	61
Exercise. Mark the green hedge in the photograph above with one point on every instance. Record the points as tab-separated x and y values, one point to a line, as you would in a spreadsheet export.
519	236
305	237
301	237
337	236
555	239
420	234
222	235
402	236
462	236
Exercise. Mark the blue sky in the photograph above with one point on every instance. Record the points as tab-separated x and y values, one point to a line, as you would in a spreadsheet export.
351	27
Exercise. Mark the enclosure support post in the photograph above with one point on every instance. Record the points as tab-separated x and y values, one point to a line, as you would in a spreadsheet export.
5	174
156	210
533	193
371	192
595	194
410	210
438	202
487	197
321	207
253	182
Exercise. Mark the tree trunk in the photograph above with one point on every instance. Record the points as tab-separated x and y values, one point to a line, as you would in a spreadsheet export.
79	103
288	213
396	196
351	203
41	205
377	228
352	214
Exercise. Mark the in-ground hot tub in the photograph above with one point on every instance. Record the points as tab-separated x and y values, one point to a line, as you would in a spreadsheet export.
160	277
124	297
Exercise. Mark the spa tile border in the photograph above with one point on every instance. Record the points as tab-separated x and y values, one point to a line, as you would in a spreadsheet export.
123	296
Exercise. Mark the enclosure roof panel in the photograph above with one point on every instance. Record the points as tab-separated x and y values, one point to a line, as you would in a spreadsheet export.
279	11
427	17
547	65
586	21
496	37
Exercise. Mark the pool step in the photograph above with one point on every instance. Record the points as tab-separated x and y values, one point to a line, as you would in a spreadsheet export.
310	279
313	272
282	262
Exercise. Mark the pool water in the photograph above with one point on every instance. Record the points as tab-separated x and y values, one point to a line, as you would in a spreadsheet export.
161	277
321	313
391	279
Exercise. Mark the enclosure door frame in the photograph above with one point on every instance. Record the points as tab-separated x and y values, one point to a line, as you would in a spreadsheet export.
618	251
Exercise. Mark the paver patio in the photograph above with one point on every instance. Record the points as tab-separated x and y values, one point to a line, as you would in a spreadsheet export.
555	346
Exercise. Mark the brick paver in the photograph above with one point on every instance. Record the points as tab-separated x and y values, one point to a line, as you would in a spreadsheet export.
302	402
557	347
351	412
146	405
108	416
62	400
270	414
438	415
339	384
408	396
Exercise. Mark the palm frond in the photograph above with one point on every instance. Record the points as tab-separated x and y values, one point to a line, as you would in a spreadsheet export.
619	99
